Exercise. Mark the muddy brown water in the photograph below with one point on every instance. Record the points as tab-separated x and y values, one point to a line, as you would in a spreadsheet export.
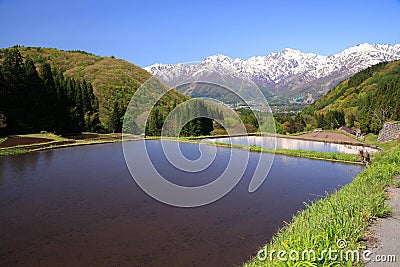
80	207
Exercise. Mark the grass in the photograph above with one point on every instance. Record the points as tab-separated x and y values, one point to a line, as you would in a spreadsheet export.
372	139
46	135
12	151
50	145
330	156
56	142
344	214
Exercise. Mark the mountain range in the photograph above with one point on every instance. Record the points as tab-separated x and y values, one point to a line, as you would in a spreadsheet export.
287	75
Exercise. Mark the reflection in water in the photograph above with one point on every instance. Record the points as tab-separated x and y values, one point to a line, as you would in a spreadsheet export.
2	172
294	144
79	206
22	167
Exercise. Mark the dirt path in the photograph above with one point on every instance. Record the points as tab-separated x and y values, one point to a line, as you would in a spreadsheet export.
386	235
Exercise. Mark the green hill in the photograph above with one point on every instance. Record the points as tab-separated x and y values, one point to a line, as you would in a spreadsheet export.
113	80
367	99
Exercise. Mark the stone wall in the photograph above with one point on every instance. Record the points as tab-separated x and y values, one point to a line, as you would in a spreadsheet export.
390	131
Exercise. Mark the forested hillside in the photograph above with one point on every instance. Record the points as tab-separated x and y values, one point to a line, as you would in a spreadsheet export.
365	100
114	81
110	83
34	100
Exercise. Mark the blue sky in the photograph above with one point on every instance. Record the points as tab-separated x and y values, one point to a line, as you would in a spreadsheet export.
147	32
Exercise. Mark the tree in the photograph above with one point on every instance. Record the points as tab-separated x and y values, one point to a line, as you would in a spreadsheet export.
15	104
207	126
92	122
116	118
247	116
44	100
298	124
320	118
2	120
78	97
13	68
49	97
287	125
279	128
154	123
272	126
350	120
378	117
47	76
85	97
34	97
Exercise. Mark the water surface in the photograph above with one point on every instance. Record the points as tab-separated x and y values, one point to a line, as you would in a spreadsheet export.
80	207
294	144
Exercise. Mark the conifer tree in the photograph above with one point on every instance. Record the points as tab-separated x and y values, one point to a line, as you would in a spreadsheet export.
33	97
31	101
14	75
116	118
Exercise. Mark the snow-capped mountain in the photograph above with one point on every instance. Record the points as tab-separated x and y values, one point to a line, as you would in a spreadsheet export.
288	72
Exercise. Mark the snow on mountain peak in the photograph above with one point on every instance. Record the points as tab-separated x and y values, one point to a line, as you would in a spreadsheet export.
360	48
286	70
290	51
218	58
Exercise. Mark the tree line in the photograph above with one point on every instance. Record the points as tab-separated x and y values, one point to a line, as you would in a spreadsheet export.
34	99
380	105
333	119
365	101
201	125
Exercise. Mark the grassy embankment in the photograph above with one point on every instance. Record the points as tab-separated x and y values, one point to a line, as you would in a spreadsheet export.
56	141
342	215
331	156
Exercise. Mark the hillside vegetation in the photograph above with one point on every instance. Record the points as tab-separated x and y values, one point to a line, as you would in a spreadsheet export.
365	100
343	215
114	81
34	100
